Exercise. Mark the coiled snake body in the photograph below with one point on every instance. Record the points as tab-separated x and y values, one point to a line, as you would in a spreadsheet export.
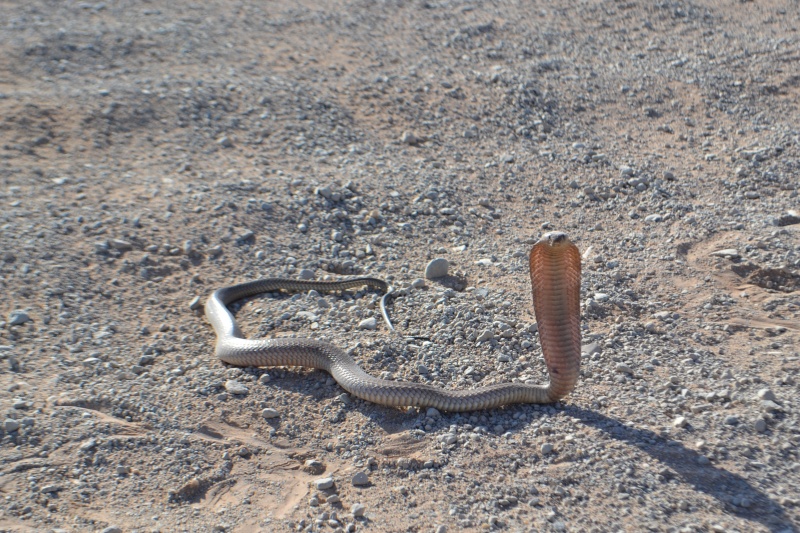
555	269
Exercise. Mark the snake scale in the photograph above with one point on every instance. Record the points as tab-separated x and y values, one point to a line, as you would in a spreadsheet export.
555	270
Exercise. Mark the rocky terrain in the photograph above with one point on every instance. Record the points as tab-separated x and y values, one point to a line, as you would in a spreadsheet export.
151	152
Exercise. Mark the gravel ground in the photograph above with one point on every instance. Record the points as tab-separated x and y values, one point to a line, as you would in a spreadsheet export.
151	152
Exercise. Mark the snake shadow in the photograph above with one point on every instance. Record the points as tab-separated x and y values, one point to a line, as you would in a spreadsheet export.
709	479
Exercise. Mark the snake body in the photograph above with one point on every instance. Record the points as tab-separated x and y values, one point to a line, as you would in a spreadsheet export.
555	269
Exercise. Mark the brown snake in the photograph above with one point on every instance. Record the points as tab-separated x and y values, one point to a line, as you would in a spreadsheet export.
555	266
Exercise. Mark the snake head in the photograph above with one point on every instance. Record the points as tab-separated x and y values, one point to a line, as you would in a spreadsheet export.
554	238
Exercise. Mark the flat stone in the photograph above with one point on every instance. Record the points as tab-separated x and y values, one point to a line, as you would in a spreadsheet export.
10	425
591	348
547	448
437	268
360	479
485	335
18	317
324	483
235	387
48	489
731	253
368	324
731	420
268	413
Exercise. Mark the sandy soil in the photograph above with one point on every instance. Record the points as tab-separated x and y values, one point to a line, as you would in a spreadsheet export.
151	152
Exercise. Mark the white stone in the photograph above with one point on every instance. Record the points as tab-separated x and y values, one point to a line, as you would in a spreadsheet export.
360	479
235	387
323	483
437	268
269	413
368	323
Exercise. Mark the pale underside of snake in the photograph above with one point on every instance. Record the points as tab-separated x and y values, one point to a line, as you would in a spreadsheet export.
555	271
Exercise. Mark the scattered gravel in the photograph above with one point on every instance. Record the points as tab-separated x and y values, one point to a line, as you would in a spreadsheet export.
153	153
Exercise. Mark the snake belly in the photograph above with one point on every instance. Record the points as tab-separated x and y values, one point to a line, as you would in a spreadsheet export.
555	271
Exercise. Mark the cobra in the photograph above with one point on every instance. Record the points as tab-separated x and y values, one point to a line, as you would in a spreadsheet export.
555	272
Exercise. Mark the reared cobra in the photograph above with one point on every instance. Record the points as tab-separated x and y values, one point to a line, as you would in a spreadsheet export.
555	266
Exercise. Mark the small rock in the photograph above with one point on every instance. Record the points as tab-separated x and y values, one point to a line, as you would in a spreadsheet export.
591	348
653	218
306	274
680	422
10	425
437	268
195	304
15	318
48	489
358	510
360	479
625	369
312	466
112	529
731	420
730	253
235	387
547	448
410	138
752	195
485	335
119	244
324	483
333	498
601	297
432	412
225	142
760	425
703	460
418	283
368	323
422	369
766	394
270	413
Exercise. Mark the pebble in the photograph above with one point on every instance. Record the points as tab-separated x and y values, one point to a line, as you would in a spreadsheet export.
10	425
432	412
591	348
418	283
680	422
730	253
268	413
440	529
731	420
235	387
18	317
360	479
48	489
195	304
410	138
437	268
485	335
225	142
653	218
368	324
358	510
547	448
760	425
324	483
333	498
625	369
112	529
766	394
306	274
